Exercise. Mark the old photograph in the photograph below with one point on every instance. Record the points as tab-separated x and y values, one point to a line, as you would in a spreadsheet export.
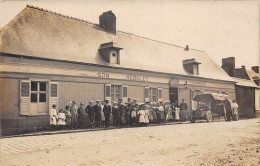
143	82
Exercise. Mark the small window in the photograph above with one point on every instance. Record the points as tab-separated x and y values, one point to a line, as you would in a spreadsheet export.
25	89
114	55
54	92
108	91
124	91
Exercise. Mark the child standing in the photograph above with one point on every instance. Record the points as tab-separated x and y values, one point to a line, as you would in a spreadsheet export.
61	119
141	114
53	117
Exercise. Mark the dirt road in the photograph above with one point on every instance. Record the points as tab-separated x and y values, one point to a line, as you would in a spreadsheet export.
216	143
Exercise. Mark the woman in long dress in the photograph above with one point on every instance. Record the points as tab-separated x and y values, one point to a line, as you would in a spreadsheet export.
161	111
141	114
53	117
154	113
146	116
68	117
177	113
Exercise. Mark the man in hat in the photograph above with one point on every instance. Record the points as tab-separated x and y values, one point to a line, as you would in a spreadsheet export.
115	114
183	109
107	111
135	101
80	115
90	110
129	110
97	111
74	115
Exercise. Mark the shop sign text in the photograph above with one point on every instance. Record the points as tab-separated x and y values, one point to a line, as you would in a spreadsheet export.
136	78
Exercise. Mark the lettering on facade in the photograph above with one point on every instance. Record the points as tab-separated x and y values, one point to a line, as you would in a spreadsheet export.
197	83
103	75
136	78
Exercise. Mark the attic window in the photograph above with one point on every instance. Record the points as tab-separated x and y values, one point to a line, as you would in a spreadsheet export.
110	52
191	66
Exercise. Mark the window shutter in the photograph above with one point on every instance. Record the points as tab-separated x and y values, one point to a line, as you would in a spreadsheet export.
159	94
53	93
146	93
108	92
24	97
125	93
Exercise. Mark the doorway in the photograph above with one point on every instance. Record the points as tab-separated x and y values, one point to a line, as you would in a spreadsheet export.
173	95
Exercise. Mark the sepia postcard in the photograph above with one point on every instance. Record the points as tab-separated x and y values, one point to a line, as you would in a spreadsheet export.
120	82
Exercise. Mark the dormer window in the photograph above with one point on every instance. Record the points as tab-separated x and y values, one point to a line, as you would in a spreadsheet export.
110	52
191	66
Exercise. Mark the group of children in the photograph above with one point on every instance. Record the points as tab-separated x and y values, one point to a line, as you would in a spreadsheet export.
121	114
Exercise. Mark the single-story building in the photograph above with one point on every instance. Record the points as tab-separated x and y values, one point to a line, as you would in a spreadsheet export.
247	87
48	58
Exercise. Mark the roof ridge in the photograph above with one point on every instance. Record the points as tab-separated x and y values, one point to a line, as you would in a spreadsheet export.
59	14
147	38
85	21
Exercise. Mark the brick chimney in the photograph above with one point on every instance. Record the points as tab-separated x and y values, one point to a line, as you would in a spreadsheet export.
108	21
228	64
255	68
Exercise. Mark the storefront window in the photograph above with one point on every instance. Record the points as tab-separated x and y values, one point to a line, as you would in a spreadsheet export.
116	92
154	94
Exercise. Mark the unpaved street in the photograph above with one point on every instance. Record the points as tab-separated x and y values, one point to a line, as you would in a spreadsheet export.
216	143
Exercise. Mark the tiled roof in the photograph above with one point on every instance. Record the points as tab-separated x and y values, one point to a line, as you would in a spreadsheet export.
42	33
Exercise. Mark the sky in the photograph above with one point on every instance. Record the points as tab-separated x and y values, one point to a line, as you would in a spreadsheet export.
220	28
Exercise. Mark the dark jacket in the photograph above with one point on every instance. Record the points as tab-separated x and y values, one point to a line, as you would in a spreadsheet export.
115	111
107	109
89	109
97	110
183	106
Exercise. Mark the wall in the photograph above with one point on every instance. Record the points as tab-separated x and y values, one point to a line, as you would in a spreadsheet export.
257	103
79	92
11	121
246	101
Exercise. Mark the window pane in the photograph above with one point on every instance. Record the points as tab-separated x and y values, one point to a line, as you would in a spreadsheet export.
42	97
117	89
112	88
124	91
146	93
54	90
42	86
25	89
107	91
160	93
34	97
34	86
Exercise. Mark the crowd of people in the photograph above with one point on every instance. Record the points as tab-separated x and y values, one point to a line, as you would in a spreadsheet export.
123	114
